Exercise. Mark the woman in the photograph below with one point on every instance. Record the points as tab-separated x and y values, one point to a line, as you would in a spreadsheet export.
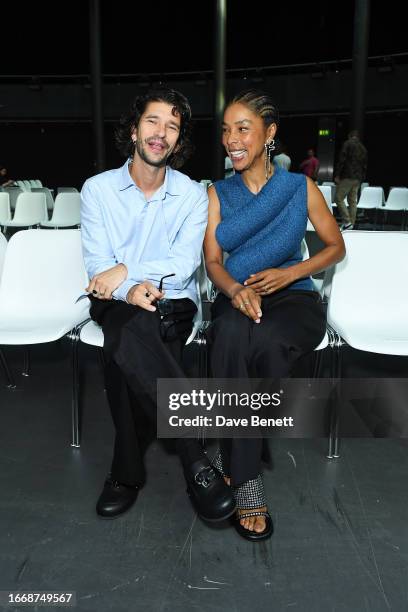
266	314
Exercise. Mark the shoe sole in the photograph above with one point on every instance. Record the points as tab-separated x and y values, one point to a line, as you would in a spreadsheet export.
111	518
217	520
212	520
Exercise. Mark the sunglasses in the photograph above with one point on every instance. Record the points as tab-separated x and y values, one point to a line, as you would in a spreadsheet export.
164	306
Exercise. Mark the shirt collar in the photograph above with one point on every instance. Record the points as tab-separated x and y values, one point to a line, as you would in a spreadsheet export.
170	186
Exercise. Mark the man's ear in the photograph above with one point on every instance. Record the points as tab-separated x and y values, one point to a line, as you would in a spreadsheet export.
133	134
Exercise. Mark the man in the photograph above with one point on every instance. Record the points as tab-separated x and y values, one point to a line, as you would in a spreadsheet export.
140	223
310	165
282	160
350	172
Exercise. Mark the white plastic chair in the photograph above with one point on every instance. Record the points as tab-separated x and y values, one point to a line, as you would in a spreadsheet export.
326	192
397	201
3	361
3	247
5	211
13	192
30	210
67	190
66	211
368	303
21	185
371	197
48	196
43	275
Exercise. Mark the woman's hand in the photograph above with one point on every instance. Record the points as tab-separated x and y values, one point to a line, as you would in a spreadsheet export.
248	302
270	280
102	285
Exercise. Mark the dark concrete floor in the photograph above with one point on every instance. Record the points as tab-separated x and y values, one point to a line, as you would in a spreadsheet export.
341	527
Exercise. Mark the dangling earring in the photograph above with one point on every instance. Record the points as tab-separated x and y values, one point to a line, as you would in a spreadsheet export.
269	147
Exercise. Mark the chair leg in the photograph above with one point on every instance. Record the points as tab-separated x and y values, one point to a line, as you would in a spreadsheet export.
27	362
334	441
9	377
75	439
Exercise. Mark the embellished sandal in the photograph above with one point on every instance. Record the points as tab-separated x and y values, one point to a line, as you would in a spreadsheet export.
254	536
248	495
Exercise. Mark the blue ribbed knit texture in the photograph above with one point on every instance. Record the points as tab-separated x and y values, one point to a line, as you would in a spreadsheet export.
263	230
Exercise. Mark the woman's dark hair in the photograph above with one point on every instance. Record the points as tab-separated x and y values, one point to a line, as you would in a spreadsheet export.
260	103
130	121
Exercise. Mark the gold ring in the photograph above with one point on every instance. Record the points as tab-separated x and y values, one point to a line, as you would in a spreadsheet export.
266	288
242	306
246	303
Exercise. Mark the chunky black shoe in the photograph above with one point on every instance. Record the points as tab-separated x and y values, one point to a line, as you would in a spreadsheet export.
115	499
211	496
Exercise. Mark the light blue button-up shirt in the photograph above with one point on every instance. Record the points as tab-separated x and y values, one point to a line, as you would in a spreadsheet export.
155	237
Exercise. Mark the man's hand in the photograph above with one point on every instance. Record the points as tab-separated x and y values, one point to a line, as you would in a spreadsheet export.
270	280
103	284
248	302
143	295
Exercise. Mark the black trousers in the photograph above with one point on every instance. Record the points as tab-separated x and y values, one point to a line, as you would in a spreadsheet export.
135	357
293	323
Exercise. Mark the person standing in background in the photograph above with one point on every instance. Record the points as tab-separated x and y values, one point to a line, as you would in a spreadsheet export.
310	165
350	172
282	159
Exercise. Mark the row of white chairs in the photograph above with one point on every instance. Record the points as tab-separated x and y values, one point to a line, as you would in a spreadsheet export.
27	185
362	312
31	210
373	197
36	184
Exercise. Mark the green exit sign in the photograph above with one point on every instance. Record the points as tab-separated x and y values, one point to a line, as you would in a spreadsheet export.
324	132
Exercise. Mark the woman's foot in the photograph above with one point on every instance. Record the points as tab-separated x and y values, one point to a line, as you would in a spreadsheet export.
252	523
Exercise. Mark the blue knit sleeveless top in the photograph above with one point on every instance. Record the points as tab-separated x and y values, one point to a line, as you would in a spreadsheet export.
263	230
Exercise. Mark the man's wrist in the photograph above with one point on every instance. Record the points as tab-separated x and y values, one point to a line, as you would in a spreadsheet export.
130	290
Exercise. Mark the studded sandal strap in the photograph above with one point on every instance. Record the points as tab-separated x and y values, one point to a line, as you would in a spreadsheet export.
248	514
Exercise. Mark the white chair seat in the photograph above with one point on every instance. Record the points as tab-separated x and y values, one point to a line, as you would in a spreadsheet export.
38	332
59	224
324	343
92	334
368	303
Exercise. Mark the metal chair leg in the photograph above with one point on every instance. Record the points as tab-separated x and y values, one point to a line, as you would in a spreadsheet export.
9	377
334	440
75	439
27	362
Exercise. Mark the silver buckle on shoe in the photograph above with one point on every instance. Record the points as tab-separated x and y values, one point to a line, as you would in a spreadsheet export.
203	479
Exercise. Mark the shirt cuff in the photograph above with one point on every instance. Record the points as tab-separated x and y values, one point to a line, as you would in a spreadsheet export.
121	292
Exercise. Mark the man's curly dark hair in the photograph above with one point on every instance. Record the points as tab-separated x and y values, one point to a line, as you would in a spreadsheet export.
130	121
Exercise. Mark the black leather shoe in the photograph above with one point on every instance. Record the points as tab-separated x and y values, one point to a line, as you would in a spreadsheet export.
115	499
209	493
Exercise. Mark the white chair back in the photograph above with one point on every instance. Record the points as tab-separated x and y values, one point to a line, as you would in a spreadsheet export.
327	194
368	303
5	212
48	196
371	197
67	190
13	192
30	209
43	275
66	210
397	199
3	247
